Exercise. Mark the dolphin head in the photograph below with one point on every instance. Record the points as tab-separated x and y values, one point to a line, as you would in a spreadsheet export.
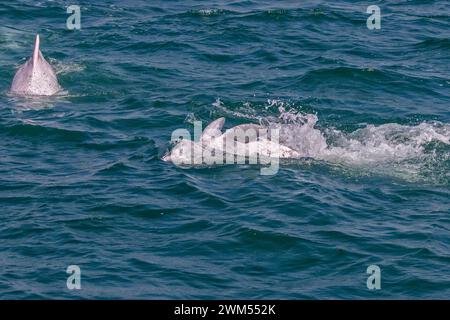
181	153
36	76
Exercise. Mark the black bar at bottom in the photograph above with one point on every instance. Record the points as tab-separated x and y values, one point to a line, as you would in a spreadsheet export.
225	309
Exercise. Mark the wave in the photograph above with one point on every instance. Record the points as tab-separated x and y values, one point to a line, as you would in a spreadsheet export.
321	14
350	73
434	43
32	130
208	12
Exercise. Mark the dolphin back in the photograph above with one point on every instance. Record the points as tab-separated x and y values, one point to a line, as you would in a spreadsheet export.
36	76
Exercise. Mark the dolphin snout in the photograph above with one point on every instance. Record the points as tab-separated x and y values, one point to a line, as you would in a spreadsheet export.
166	157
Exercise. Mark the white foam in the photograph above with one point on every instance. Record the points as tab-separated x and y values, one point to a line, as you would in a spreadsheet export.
385	143
208	12
397	149
65	68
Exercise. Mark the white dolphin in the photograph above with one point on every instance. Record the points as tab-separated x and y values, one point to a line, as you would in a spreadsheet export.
36	76
262	143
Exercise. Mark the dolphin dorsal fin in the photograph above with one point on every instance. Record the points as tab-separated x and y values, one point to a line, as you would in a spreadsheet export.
214	129
36	50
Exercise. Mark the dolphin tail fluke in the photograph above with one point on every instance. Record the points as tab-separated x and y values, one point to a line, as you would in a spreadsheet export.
36	50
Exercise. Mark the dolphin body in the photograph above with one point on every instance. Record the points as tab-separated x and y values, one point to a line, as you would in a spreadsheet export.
212	138
35	77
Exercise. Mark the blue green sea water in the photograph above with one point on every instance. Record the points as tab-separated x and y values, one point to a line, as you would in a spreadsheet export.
82	181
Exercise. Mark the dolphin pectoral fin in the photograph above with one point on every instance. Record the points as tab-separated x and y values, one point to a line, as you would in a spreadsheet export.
213	129
36	51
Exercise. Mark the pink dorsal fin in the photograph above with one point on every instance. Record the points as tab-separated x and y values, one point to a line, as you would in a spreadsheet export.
36	50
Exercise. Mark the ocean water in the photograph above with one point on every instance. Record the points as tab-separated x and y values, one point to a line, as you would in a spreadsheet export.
82	181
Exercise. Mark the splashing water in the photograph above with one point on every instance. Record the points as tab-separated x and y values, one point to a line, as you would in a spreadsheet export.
411	152
65	68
